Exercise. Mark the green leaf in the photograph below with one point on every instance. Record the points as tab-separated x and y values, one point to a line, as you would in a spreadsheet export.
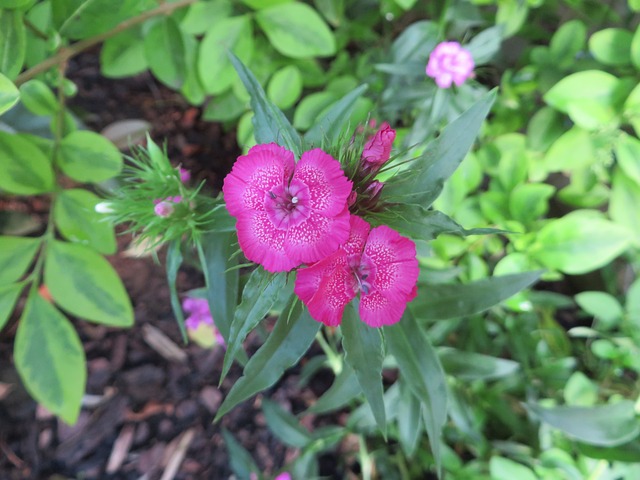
123	55
475	366
627	150
8	297
567	42
422	181
600	304
88	157
75	217
485	45
38	98
285	87
611	46
421	369
174	260
544	128
343	390
294	332
311	107
270	124
164	49
239	459
573	150
296	30
9	94
629	452
363	353
16	254
328	129
442	301
580	390
215	251
623	202
15	3
504	469
50	359
24	169
12	43
530	201
258	297
83	283
285	426
603	425
409	420
635	49
234	35
580	242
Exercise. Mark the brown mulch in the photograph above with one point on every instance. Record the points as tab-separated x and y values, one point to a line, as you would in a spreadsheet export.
147	415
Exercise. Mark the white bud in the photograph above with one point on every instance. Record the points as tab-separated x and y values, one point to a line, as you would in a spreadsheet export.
104	207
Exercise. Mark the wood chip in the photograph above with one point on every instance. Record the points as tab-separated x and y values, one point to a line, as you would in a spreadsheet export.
120	448
5	389
178	455
163	344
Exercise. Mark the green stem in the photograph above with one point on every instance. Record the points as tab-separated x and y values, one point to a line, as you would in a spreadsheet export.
65	53
335	362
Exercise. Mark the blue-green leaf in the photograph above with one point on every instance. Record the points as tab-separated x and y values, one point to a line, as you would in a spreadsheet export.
344	389
285	425
50	359
174	260
475	366
240	460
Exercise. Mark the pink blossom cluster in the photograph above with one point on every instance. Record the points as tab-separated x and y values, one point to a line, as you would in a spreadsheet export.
450	63
297	215
200	318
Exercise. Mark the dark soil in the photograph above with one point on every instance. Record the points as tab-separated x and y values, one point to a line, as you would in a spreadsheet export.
141	408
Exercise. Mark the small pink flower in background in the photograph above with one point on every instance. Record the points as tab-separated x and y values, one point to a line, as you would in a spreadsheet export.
199	322
283	476
377	262
165	207
288	213
450	63
185	175
377	150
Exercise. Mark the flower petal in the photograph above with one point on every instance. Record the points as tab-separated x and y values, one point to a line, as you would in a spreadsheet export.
317	237
254	174
329	188
263	243
377	309
358	233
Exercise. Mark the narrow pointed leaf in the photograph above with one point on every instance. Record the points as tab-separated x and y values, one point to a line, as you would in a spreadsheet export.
269	123
409	420
294	332
285	425
363	348
174	260
50	359
239	459
344	389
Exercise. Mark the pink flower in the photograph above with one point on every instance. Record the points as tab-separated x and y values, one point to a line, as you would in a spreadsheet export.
199	315
377	262
283	476
448	63
377	150
185	175
288	213
165	207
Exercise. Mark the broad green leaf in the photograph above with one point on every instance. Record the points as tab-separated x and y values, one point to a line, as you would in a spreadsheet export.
409	420
328	128
164	49
224	108
88	157
16	254
567	42
363	353
258	4
75	217
296	30
600	304
580	242
258	297
530	201
504	469
311	107
285	87
573	150
15	3
12	43
270	124
588	97
234	35
123	55
9	94
604	425
284	425
38	98
8	297
624	201
215	251
192	89
174	260
422	181
485	45
240	460
627	150
629	452
580	390
633	302
84	284
343	390
50	359
611	46
635	49
475	366
294	332
442	301
201	15
421	369
24	169
631	109
543	129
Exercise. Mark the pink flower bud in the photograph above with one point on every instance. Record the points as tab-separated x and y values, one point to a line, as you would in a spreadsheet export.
377	150
185	175
450	63
163	208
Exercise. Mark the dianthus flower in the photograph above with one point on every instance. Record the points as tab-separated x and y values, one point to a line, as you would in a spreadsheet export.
164	207
288	213
200	318
450	63
377	262
185	175
377	150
